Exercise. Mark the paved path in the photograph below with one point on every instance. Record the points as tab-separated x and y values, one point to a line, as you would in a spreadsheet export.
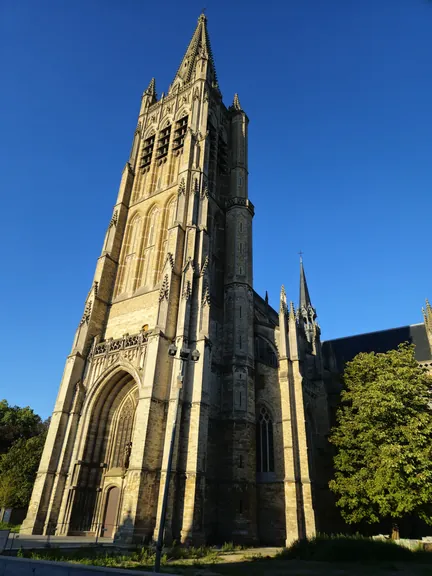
26	567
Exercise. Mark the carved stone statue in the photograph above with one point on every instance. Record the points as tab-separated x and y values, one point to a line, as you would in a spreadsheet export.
126	455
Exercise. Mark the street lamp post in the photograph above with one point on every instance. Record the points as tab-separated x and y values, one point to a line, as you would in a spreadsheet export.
185	356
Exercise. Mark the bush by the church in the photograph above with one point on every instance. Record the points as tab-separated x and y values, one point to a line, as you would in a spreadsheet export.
342	548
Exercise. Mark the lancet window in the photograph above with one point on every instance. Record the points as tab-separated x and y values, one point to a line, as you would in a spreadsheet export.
170	213
264	439
146	275
222	155
122	434
130	254
212	166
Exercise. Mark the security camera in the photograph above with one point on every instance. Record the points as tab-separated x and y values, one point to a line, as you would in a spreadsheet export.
195	355
172	350
184	353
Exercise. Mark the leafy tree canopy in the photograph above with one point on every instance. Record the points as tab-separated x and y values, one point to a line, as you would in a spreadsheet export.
18	469
17	423
383	436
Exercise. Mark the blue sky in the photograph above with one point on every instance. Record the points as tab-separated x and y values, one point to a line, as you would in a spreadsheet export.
339	99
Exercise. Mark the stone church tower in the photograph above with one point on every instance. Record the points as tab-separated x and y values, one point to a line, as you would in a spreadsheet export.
176	268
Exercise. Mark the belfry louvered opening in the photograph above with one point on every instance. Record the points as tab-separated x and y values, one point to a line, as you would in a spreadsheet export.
147	151
163	142
180	133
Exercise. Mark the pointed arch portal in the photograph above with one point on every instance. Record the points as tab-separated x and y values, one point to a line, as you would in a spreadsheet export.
105	459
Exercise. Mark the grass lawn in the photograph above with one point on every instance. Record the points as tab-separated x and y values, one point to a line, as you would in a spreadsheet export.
320	556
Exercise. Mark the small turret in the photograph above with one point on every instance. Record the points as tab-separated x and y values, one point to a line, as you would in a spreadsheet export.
236	106
283	325
149	96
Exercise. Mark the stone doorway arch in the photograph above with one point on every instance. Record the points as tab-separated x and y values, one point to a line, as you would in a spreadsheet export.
107	432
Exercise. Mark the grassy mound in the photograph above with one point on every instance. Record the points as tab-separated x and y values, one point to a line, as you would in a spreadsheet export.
341	548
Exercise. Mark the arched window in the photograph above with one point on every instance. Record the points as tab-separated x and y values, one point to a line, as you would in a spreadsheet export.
130	252
170	213
264	353
147	275
264	437
123	433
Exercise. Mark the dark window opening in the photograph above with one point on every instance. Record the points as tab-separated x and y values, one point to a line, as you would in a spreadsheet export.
212	157
163	142
222	156
147	151
180	133
264	353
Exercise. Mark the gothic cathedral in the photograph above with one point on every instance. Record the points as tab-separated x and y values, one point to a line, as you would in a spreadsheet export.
249	462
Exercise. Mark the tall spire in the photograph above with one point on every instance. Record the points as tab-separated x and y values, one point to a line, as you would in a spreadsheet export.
151	89
305	300
199	47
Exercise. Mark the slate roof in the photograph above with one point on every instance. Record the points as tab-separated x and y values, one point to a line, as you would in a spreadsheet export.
345	349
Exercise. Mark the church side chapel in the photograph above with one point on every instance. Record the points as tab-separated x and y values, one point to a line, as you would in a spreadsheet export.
251	460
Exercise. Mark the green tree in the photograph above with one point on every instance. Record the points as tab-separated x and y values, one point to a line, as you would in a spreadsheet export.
16	423
383	437
18	469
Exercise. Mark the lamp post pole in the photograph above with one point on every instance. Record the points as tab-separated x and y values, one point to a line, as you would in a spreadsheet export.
184	356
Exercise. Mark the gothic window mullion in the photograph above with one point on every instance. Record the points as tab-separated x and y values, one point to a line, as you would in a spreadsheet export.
265	446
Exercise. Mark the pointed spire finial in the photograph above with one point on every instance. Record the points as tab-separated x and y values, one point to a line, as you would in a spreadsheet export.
266	297
236	103
151	90
292	310
305	300
283	300
199	47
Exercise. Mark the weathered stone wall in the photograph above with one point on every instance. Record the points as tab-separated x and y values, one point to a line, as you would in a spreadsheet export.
271	513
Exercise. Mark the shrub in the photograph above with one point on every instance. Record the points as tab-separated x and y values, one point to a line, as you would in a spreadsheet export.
230	547
341	548
12	527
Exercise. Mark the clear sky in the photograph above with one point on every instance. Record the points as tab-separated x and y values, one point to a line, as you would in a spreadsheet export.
338	94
